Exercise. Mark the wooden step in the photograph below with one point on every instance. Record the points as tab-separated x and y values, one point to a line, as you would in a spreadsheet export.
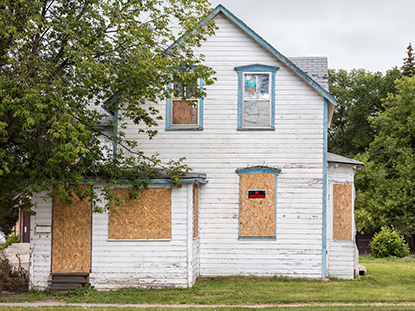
64	282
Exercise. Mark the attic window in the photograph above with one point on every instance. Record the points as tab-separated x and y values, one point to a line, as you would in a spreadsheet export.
184	108
256	97
256	105
184	111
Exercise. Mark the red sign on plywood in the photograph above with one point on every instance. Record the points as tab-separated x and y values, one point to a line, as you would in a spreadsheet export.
256	194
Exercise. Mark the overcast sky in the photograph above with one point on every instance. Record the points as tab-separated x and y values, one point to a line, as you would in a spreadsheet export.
369	34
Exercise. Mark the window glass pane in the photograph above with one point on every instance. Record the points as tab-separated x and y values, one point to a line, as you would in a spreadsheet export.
256	86
256	113
184	112
178	88
189	89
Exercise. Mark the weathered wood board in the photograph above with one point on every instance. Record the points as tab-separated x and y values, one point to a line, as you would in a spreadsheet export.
257	215
146	217
71	236
183	113
342	212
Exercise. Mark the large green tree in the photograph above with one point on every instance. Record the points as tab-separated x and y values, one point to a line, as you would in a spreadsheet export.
386	185
60	60
359	95
408	68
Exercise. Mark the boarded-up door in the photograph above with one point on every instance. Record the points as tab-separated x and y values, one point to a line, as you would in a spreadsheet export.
257	215
71	236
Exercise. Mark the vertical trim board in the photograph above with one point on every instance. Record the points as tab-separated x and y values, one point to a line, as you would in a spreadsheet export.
324	203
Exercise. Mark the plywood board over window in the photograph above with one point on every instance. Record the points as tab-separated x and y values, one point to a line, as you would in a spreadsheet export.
184	112
71	236
146	217
257	216
342	212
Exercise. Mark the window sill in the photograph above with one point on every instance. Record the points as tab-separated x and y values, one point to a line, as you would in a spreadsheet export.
184	129
263	238
138	240
255	129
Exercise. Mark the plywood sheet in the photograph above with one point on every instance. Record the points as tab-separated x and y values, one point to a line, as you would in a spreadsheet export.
195	211
183	113
257	216
71	236
342	212
146	217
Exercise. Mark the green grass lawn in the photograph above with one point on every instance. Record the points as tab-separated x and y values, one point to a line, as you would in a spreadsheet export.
387	280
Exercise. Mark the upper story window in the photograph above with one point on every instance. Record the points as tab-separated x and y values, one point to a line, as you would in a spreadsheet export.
256	97
184	108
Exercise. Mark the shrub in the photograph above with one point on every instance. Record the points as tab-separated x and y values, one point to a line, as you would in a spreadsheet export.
387	242
9	241
13	281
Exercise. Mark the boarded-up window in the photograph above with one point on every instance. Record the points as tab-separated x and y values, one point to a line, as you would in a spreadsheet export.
146	217
195	211
184	112
342	212
185	103
257	209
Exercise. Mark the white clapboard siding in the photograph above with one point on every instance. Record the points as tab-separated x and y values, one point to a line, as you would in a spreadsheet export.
145	263
341	259
295	147
40	243
196	259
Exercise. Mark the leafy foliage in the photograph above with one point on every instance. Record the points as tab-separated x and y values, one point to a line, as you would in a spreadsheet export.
387	243
386	185
359	95
60	61
9	241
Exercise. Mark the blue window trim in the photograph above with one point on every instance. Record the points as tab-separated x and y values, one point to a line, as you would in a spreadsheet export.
196	127
153	181
252	171
256	68
112	106
324	216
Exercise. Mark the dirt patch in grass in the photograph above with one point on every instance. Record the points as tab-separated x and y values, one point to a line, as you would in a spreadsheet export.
411	259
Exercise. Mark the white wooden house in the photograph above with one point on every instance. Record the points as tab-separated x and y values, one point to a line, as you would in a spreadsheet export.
270	200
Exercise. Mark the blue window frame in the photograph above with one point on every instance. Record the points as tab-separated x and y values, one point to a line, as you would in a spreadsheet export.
184	114
256	97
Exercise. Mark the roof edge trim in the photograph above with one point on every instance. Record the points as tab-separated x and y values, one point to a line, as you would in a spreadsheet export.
221	9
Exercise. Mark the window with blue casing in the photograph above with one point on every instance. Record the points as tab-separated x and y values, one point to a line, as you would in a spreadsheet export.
184	108
256	97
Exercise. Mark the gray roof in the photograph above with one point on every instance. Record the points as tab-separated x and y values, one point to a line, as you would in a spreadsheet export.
335	158
315	67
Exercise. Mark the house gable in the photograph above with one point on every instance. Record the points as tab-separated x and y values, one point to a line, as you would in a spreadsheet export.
286	61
